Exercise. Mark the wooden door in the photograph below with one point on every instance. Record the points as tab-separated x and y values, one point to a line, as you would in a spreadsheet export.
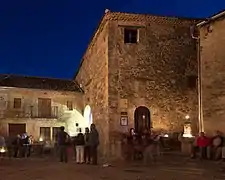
142	119
44	107
15	129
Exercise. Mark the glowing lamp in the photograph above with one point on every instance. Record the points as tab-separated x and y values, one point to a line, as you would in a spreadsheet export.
41	139
187	128
166	135
2	150
188	135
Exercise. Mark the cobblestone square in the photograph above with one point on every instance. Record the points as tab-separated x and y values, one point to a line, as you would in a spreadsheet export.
167	168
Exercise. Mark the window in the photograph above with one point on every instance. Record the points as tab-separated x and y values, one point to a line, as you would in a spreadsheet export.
45	133
55	130
192	82
69	105
130	35
44	108
17	103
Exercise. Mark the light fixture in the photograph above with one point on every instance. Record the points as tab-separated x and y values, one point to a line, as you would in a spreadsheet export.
187	117
41	139
187	135
2	150
143	116
166	135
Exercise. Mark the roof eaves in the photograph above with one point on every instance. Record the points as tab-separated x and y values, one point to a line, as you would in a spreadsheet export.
79	87
102	22
213	18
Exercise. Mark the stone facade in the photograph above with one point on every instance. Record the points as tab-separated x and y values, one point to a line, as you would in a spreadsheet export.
28	111
152	72
212	42
93	78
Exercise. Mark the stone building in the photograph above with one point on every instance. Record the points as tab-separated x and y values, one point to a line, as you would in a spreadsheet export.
212	72
140	71
39	106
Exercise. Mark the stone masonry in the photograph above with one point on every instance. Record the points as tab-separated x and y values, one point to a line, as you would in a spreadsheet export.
93	78
212	42
153	73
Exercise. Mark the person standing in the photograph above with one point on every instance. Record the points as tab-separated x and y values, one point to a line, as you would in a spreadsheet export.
62	140
87	157
203	142
80	148
94	142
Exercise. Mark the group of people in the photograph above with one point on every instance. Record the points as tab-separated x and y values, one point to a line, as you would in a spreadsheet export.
209	147
142	146
84	145
18	146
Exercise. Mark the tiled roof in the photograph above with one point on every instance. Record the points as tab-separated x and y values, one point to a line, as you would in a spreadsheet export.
20	81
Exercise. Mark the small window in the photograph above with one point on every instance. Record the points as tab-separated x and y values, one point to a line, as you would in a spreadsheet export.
192	82
45	133
130	35
17	103
69	105
55	130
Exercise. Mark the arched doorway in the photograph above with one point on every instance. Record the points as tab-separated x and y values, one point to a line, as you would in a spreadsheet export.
142	119
88	114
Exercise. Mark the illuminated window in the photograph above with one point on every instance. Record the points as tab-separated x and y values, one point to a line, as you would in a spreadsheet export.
17	103
69	105
130	35
45	133
55	130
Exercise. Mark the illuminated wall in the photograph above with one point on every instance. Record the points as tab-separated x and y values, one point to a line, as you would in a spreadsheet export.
88	115
74	120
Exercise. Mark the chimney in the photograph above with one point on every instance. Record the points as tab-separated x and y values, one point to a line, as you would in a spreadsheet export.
107	11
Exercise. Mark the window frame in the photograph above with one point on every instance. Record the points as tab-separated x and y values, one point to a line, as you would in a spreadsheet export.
15	101
46	129
69	105
128	30
54	134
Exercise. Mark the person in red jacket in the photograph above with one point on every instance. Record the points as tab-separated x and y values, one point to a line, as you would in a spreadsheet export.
203	142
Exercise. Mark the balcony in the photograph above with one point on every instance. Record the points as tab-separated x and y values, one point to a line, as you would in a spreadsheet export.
52	112
27	111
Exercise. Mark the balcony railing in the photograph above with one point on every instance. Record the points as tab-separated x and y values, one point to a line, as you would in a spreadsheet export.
52	112
27	111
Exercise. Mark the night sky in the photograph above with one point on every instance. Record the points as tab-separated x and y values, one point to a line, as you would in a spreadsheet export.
48	37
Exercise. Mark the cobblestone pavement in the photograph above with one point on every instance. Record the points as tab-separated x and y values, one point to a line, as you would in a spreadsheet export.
166	169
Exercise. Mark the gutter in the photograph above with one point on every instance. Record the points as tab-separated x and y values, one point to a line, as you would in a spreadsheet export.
213	18
200	108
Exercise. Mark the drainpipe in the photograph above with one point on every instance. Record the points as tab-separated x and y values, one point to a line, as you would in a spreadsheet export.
200	109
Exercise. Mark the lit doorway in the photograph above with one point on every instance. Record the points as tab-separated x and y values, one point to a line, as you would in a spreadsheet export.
142	119
88	115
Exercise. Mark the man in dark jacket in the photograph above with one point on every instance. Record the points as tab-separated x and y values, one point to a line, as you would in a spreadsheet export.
62	141
87	157
94	142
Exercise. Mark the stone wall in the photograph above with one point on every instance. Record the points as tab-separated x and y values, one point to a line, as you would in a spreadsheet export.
212	42
93	77
154	72
32	125
29	97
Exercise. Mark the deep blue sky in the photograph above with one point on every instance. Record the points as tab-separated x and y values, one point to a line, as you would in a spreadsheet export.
48	37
